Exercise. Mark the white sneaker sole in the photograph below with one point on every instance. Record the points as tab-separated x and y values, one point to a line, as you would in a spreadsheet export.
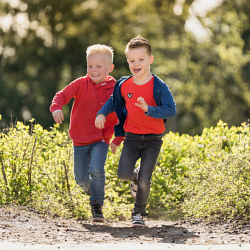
133	190
138	225
98	219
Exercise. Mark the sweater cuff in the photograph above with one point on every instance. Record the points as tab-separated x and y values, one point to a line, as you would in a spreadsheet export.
56	111
118	140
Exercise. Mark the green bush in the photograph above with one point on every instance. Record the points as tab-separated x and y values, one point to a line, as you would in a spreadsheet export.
218	182
37	172
199	176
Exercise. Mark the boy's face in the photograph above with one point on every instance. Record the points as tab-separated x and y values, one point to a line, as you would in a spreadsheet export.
139	61
99	67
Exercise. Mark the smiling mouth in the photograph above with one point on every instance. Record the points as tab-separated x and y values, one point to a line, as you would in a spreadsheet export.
137	70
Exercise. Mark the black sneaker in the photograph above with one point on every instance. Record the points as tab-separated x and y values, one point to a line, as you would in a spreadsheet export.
133	184
133	188
137	220
97	215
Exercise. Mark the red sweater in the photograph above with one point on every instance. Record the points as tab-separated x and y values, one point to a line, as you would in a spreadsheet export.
89	98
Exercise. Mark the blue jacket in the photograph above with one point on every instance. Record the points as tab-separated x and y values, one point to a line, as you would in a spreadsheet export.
166	107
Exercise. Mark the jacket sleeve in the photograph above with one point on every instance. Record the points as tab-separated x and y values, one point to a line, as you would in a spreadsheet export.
167	109
107	108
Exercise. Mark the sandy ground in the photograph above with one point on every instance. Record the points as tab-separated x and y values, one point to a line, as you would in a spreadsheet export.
25	228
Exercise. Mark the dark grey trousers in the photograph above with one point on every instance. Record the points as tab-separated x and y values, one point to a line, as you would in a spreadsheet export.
136	146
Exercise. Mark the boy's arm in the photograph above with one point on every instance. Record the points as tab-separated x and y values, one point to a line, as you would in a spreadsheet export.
167	109
58	116
106	109
62	98
116	142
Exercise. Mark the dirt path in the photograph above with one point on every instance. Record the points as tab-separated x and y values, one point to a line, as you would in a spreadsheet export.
17	225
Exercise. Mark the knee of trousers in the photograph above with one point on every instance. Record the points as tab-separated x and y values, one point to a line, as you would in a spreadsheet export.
84	184
96	174
143	183
125	176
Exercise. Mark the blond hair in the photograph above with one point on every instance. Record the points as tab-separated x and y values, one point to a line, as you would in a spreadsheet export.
101	49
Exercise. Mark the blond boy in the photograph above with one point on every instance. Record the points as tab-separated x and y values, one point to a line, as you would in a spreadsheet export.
90	144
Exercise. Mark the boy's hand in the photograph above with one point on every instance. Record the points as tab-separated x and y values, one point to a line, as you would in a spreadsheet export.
113	147
58	117
142	104
99	121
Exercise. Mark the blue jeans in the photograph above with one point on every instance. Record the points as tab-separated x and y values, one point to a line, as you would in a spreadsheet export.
135	146
89	161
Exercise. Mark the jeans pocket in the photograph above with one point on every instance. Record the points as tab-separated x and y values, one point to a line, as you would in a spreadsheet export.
158	137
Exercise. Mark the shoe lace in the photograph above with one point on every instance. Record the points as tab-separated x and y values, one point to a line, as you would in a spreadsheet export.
134	184
137	217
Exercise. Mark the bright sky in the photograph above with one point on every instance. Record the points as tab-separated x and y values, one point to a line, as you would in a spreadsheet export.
200	8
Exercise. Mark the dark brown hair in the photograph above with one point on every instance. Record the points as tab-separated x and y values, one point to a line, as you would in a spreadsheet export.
139	42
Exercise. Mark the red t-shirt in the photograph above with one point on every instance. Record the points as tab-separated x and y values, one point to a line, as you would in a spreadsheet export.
137	121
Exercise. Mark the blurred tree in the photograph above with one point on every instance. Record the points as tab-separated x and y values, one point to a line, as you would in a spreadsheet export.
212	81
44	50
45	42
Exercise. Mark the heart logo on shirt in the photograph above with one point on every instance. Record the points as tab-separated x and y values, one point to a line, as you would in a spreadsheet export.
129	95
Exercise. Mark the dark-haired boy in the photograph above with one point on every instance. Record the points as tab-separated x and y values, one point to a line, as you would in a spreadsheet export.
143	103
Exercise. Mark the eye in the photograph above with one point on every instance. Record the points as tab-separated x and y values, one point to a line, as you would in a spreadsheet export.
141	60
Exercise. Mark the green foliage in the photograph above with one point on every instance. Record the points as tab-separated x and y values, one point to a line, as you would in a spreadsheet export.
218	173
201	176
36	171
166	190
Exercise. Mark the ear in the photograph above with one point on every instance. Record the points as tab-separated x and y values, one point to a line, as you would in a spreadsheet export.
111	68
151	59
